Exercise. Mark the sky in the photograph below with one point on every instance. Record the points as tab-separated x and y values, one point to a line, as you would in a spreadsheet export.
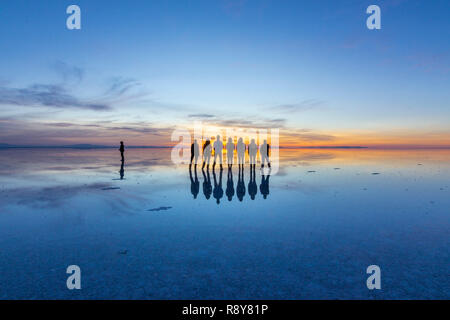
137	70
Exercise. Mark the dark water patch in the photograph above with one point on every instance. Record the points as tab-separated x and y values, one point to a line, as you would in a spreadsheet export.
111	188
160	209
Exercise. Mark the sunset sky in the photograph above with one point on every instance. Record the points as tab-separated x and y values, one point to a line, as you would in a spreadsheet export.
139	69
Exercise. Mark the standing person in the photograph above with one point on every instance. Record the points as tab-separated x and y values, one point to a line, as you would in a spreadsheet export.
264	153
252	151
230	152
218	149
194	152
122	150
240	148
207	149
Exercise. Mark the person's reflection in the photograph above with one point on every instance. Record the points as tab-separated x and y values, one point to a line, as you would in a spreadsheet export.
240	189
230	185
252	186
195	184
207	188
122	170
218	191
264	186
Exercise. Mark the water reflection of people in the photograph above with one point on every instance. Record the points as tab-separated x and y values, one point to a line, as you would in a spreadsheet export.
218	191
230	185
240	189
195	184
207	188
264	186
207	149
252	186
122	170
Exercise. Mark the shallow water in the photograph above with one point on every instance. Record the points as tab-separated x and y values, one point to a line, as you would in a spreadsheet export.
327	216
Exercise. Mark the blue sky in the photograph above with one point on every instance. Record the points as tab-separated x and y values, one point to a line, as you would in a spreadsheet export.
139	68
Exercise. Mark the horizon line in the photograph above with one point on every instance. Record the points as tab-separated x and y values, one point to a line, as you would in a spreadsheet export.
93	146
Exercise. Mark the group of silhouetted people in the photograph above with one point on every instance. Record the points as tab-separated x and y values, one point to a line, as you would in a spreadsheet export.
217	191
240	148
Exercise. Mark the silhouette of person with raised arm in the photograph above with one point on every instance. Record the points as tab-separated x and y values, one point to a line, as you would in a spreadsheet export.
252	151
195	184
264	153
122	171
230	185
252	186
240	148
207	188
240	188
218	191
264	186
230	152
207	149
218	149
122	150
195	152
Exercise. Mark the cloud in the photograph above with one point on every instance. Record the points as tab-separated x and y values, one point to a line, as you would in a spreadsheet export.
201	115
120	85
303	135
254	124
431	62
68	73
304	105
43	95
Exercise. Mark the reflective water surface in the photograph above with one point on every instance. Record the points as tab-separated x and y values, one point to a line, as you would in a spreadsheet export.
147	229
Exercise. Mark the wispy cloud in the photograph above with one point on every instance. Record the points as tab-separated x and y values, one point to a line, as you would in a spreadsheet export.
301	106
69	74
201	115
120	85
45	95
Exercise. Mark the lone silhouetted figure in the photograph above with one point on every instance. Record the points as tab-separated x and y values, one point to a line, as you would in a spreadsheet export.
195	152
264	186
264	153
207	150
230	185
240	148
252	151
240	188
207	187
252	186
230	152
218	191
218	149
195	184
122	150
